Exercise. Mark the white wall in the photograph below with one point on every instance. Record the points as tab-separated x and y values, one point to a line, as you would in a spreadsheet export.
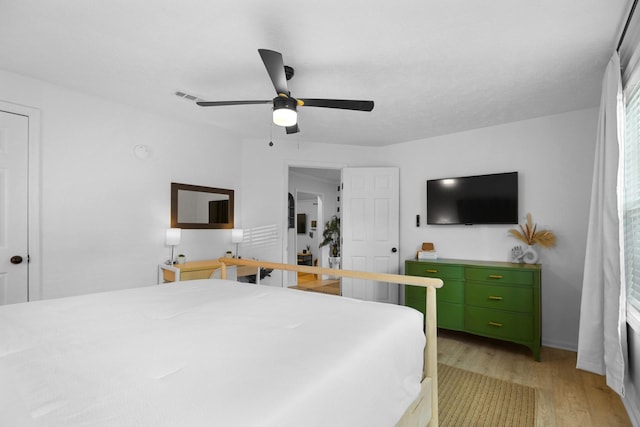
554	158
103	210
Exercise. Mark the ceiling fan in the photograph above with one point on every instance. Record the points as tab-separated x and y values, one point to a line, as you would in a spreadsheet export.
284	105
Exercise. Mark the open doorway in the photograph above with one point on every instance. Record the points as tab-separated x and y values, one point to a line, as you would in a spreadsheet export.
316	197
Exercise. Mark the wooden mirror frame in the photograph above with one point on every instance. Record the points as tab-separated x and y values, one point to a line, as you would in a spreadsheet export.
175	188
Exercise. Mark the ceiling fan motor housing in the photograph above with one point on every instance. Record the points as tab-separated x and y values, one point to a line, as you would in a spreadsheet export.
283	102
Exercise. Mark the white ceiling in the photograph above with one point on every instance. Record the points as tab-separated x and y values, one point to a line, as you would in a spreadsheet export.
432	67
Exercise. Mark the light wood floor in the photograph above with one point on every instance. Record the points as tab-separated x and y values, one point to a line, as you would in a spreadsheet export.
309	282
565	396
306	277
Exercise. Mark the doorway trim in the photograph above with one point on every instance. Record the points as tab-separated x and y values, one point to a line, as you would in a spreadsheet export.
33	201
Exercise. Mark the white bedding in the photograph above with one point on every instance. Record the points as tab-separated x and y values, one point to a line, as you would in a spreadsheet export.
208	353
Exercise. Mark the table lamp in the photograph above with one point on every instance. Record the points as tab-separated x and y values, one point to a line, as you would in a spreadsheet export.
237	235
172	238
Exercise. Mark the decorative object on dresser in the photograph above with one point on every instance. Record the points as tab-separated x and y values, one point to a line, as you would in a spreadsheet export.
182	259
427	251
530	235
493	299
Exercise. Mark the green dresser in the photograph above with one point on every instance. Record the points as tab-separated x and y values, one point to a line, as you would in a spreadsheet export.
493	299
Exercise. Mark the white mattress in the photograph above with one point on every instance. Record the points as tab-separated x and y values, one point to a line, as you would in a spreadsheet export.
208	353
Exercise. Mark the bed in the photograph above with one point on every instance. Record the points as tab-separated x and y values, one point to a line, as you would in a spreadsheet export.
216	352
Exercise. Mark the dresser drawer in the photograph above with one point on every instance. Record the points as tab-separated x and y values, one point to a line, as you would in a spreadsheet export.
440	271
498	324
511	298
512	276
451	291
450	316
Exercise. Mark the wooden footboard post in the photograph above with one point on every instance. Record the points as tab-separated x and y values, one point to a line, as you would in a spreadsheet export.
431	352
223	271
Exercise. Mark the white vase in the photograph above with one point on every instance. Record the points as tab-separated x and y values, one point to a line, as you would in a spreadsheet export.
530	255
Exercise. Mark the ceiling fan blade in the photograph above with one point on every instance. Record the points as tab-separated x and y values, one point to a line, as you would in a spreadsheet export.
275	67
218	103
344	104
293	129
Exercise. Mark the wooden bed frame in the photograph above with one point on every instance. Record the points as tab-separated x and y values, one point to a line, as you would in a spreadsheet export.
417	414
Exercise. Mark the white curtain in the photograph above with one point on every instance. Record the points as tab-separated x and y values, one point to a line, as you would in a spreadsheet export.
602	342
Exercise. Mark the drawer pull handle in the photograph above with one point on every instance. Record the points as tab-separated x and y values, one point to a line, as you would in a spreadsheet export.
495	298
495	276
499	325
432	271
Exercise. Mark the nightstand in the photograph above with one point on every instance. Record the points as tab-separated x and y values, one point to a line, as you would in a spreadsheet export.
188	271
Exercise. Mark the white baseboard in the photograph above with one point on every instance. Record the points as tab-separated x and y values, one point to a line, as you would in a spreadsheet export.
631	403
560	345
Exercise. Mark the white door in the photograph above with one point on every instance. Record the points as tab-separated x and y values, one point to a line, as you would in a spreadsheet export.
370	230
14	149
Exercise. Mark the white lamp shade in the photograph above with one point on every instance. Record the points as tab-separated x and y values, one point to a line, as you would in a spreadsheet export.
172	237
237	234
285	117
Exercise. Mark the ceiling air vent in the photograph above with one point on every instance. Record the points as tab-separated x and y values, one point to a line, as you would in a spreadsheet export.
187	96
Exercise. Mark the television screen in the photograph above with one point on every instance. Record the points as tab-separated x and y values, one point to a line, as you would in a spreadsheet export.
481	199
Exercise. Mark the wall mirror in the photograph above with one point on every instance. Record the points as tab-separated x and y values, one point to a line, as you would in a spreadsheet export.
194	206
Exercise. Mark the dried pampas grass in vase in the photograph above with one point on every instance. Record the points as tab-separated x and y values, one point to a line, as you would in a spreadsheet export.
530	235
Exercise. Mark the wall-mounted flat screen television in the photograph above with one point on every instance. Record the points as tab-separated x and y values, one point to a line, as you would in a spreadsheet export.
480	199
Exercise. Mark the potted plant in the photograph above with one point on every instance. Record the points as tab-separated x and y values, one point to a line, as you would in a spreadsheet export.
331	236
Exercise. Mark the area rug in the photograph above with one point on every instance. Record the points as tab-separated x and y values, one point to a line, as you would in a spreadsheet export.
469	399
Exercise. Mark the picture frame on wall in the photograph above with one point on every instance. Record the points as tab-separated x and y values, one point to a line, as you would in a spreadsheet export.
301	223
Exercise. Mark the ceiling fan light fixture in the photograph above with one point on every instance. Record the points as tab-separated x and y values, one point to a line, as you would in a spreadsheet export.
285	111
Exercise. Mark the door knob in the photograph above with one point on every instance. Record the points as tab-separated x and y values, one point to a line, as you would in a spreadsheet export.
394	250
16	259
